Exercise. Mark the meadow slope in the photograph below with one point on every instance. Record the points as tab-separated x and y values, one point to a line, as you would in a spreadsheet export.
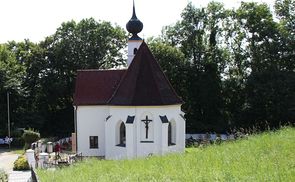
269	156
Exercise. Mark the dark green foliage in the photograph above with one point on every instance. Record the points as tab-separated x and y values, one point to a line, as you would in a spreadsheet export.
197	36
21	164
205	100
233	68
173	64
41	76
18	142
270	98
241	65
11	73
30	136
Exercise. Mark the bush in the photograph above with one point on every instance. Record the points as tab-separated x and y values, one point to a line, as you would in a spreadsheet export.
21	163
30	136
18	142
3	176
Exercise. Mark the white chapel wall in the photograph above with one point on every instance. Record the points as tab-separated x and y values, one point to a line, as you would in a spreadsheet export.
91	122
136	145
160	145
118	115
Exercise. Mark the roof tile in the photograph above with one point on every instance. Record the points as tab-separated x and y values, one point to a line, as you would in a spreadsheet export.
95	87
144	83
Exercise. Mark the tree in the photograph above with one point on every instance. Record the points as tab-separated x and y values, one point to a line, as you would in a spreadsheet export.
266	90
188	34
31	56
84	45
173	63
50	68
198	35
261	36
270	98
231	67
11	75
285	11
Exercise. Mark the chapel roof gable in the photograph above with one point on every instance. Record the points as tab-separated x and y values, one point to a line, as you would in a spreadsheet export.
144	83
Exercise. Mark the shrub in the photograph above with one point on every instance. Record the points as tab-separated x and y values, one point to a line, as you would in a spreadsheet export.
21	163
17	133
30	136
18	142
3	176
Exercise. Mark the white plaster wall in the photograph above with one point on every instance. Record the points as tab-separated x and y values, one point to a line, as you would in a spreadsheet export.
91	122
145	149
164	138
130	140
118	114
142	129
134	145
180	135
131	45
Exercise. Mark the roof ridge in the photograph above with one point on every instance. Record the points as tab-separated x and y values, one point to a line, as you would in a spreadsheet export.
124	75
165	77
153	74
84	70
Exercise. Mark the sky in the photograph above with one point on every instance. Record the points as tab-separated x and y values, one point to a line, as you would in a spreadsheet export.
36	19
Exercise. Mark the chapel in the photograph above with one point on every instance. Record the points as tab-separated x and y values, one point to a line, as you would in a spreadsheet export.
128	113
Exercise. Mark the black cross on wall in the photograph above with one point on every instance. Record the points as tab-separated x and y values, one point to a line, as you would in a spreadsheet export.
146	121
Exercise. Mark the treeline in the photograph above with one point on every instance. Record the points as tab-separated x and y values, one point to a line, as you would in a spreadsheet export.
233	68
238	68
40	77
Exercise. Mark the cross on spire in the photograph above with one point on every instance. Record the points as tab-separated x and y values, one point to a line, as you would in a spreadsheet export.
146	121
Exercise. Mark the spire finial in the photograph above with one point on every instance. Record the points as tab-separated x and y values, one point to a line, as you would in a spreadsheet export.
133	13
134	25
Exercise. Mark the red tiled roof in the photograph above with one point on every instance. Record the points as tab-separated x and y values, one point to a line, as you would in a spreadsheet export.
144	83
95	87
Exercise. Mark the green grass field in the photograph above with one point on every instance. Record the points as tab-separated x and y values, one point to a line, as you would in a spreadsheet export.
265	157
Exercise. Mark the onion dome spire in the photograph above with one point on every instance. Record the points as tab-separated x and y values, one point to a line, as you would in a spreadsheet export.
134	25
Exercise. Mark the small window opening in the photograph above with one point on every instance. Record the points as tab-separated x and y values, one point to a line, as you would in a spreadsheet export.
93	141
170	140
134	51
122	135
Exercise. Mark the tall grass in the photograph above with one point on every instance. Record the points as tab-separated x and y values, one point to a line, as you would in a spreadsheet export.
265	157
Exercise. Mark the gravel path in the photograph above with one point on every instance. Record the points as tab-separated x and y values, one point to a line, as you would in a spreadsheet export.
6	162
6	159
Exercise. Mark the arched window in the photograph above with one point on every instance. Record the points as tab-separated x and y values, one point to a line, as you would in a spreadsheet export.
134	51
122	139
171	133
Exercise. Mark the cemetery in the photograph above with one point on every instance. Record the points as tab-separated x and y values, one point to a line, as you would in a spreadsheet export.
211	98
52	154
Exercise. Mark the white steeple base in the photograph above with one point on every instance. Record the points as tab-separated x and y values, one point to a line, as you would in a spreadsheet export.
133	46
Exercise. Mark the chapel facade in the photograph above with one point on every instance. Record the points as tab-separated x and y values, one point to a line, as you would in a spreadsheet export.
128	113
